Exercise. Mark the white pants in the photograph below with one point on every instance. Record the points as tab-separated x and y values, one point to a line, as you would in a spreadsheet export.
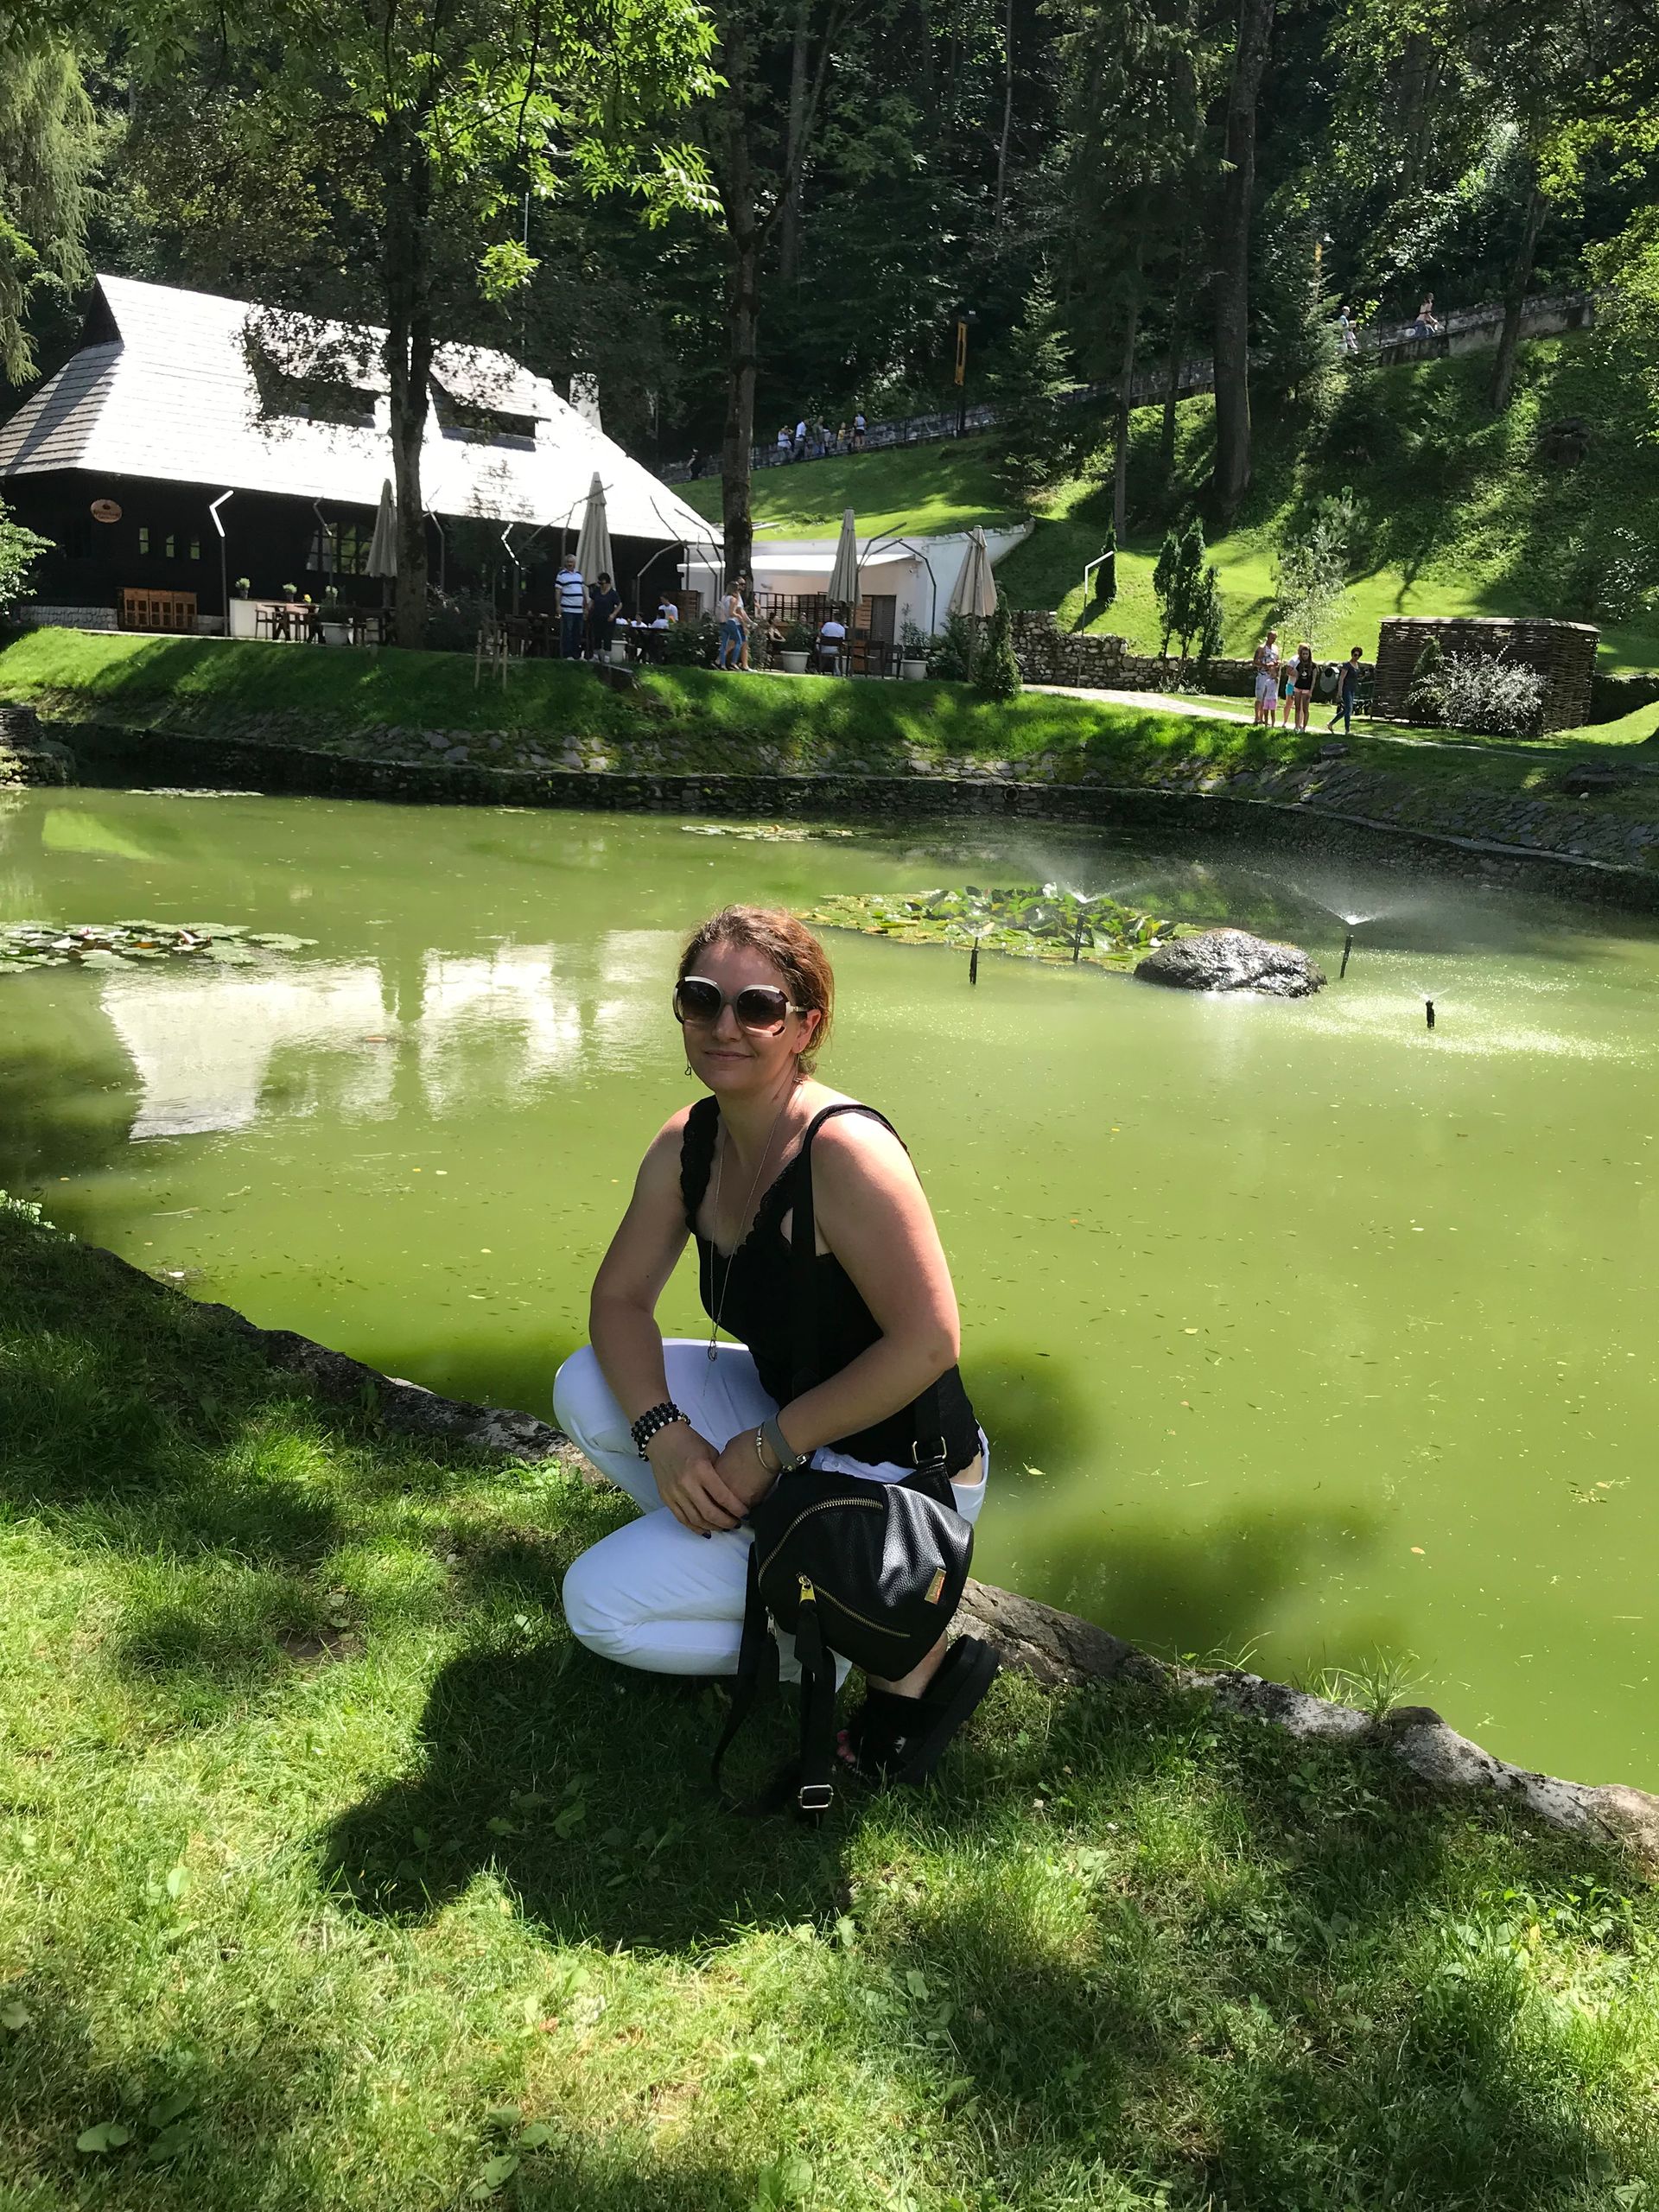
654	1594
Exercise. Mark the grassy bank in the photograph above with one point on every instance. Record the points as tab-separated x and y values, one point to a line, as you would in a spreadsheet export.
696	717
335	1876
1466	513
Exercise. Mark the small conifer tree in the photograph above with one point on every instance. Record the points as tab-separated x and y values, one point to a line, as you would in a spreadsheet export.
996	672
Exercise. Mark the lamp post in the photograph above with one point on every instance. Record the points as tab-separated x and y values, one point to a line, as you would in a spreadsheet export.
213	506
964	317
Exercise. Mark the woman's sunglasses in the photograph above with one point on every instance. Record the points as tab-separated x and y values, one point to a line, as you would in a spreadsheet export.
757	1006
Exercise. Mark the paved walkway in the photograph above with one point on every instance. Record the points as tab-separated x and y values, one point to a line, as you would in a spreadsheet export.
1164	703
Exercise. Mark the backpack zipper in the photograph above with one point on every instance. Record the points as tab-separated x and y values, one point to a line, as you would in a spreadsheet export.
829	1506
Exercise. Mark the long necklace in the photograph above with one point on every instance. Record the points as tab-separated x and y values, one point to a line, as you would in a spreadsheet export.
720	1169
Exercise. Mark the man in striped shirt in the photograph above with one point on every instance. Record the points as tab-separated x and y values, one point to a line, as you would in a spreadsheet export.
573	606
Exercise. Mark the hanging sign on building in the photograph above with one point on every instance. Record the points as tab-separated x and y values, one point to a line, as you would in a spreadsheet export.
105	510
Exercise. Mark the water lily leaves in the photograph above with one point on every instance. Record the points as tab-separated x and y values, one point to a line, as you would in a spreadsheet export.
118	944
1042	924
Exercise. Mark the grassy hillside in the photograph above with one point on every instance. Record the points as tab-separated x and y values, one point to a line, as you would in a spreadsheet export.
1464	516
335	1875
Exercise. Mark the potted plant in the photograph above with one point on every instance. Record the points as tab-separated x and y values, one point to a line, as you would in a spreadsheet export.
241	623
914	646
797	648
332	615
290	591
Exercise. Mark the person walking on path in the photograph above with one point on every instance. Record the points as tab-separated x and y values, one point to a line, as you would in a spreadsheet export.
1347	692
1265	661
1301	682
573	606
729	615
858	431
746	593
698	1433
800	439
1347	335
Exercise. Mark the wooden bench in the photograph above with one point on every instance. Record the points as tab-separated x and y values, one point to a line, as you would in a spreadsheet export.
145	608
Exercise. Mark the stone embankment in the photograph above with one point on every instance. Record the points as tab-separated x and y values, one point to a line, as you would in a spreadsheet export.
1332	804
1056	1648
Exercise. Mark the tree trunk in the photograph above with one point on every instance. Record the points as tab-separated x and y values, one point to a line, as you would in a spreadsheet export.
1173	388
1126	393
409	364
742	357
1232	475
1007	116
789	227
1514	299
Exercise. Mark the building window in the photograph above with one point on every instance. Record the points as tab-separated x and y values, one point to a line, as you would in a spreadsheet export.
171	547
143	538
196	549
342	549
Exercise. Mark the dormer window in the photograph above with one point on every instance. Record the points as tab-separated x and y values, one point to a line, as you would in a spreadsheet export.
479	422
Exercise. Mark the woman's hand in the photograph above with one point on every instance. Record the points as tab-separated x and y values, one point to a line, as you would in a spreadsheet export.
689	1482
741	1470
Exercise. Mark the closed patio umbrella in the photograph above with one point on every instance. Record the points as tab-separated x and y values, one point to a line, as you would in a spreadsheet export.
843	577
976	586
593	545
383	546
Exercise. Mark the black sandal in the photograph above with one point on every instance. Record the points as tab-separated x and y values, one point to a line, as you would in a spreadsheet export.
901	1740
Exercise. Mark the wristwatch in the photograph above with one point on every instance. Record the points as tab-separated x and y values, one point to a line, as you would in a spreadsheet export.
781	1448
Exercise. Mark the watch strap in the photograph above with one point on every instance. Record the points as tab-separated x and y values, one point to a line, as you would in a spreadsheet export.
780	1447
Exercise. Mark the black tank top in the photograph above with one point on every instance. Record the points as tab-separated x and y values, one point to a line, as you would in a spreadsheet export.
758	1307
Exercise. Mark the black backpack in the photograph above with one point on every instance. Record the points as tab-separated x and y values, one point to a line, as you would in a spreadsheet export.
872	1571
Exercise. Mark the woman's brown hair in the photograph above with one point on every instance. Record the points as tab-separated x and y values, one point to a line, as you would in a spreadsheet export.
790	947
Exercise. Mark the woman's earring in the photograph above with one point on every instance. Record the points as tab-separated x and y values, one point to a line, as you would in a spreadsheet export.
688	1067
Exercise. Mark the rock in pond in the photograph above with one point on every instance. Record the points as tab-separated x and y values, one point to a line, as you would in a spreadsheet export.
1232	960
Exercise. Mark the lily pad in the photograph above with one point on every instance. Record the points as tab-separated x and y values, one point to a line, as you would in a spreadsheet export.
1032	922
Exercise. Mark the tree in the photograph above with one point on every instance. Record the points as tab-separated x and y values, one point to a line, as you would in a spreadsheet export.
1188	592
756	179
19	550
1311	572
49	144
1137	77
409	130
996	672
1231	476
1036	432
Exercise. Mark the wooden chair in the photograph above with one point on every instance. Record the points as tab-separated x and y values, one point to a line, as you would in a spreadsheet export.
143	608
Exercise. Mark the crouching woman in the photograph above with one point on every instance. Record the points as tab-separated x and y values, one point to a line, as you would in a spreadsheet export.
697	1432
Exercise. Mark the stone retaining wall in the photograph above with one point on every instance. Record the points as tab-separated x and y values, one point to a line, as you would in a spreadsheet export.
1564	653
1319	807
1099	660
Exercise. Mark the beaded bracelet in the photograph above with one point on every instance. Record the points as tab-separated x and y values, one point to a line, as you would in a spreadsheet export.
648	1425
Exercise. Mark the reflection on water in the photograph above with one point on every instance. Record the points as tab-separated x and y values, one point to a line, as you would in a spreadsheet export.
1292	1324
218	1050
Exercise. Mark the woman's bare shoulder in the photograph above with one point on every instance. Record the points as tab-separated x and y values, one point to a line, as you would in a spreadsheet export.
857	1144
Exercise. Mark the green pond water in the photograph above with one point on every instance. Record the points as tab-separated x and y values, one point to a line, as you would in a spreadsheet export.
1295	1327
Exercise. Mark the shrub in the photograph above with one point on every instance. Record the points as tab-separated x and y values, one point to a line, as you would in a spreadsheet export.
997	673
1478	691
19	550
690	645
1311	568
953	650
1188	593
453	619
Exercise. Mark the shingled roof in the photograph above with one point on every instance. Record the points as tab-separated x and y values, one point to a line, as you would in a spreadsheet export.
166	388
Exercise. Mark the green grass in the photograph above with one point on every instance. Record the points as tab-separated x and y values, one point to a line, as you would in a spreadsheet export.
697	720
942	487
334	1876
1465	518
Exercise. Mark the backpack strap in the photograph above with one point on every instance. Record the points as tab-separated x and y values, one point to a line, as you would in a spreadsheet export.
757	1665
804	1289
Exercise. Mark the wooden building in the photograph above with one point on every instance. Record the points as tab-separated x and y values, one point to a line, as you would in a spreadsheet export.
124	460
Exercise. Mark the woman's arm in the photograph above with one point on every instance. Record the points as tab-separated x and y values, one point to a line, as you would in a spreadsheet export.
628	1344
873	1216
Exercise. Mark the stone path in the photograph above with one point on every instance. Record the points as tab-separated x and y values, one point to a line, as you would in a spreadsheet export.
1163	702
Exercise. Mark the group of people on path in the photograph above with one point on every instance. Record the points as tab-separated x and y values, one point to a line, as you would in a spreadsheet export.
814	441
1285	688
